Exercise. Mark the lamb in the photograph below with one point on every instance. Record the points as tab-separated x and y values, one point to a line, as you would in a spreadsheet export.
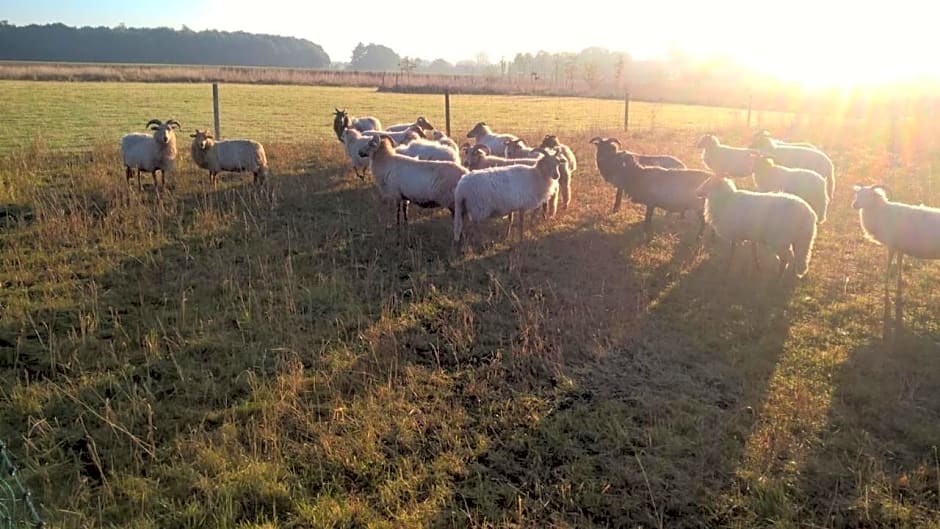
354	141
342	121
150	152
428	150
518	149
550	141
421	123
229	155
485	136
429	184
803	183
784	222
479	157
766	133
903	229
724	160
609	161
500	191
670	189
799	157
444	139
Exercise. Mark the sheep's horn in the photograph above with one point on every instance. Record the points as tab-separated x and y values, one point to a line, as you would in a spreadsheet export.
153	122
615	140
483	148
174	122
881	186
595	140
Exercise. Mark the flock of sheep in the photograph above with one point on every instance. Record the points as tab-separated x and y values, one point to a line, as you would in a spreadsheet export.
498	175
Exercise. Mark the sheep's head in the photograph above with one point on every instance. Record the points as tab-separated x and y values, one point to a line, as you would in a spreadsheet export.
423	123
714	184
480	129
706	141
606	146
417	131
763	143
762	163
350	135
163	131
340	122
550	141
377	142
514	146
202	139
760	134
475	155
868	196
550	164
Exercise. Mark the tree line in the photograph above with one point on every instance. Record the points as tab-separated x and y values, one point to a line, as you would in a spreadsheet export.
61	43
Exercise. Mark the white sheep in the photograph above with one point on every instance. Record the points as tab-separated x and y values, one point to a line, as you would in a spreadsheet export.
725	160
150	152
229	155
428	150
806	184
342	121
517	148
485	136
403	179
403	137
353	142
801	157
421	122
903	229
479	157
784	222
550	141
500	191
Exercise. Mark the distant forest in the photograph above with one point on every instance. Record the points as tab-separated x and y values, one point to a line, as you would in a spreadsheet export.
58	42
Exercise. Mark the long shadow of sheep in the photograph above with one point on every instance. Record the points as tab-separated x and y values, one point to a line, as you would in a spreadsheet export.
875	463
658	377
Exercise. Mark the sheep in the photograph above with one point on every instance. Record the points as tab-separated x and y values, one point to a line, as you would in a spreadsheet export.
784	222
421	122
354	141
479	157
550	141
903	229
518	149
766	133
229	155
428	150
803	183
403	179
500	191
485	136
443	139
724	160
342	121
799	157
610	164
150	152
670	189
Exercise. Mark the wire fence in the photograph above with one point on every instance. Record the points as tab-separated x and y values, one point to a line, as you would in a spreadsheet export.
17	509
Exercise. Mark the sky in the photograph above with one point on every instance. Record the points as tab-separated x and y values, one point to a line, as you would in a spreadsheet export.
813	41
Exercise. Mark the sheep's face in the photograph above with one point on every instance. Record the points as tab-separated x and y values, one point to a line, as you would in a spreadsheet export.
513	147
868	196
605	147
707	141
549	165
475	156
550	141
340	122
201	139
758	136
423	123
763	143
371	147
480	129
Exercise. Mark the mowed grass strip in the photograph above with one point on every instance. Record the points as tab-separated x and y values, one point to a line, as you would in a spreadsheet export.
237	357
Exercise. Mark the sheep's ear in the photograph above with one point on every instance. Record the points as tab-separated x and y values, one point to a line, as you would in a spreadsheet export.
856	188
192	135
595	140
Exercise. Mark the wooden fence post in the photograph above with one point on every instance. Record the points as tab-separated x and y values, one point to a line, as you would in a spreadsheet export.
750	103
447	111
626	110
215	109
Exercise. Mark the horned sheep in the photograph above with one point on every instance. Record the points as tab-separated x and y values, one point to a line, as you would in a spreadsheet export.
151	152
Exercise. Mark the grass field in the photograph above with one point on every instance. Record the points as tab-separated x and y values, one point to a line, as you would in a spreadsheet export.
286	357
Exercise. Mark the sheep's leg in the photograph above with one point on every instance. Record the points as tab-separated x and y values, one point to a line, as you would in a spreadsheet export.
404	210
156	185
887	297
648	221
139	187
756	256
701	224
898	311
128	174
521	225
509	228
617	200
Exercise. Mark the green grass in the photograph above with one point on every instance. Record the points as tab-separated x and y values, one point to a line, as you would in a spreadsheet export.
285	357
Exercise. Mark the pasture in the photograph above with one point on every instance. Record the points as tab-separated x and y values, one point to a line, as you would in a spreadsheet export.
287	357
